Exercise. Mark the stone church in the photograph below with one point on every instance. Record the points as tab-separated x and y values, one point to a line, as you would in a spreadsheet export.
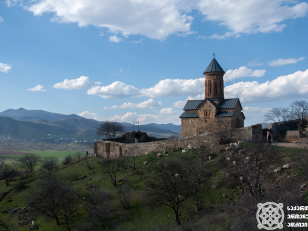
214	113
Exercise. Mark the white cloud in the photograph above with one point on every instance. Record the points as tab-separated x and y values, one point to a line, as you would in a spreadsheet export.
154	19
179	104
281	62
167	111
12	2
253	16
88	115
1	19
242	72
252	110
254	64
5	68
114	90
114	39
129	117
284	87
38	88
175	87
97	83
69	84
149	104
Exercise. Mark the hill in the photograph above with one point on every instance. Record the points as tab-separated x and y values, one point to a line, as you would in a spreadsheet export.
23	114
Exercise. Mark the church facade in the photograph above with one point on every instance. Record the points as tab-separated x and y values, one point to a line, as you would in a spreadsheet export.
214	112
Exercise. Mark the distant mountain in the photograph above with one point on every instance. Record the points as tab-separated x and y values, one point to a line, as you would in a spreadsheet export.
169	126
79	128
28	115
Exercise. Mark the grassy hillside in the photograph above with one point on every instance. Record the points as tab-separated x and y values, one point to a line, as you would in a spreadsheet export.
222	199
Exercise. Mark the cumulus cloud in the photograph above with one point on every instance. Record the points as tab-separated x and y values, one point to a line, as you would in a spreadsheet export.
242	16
1	19
5	68
167	111
69	84
97	83
179	104
114	90
114	39
281	62
148	104
146	118
175	87
38	88
284	87
88	115
242	72
154	19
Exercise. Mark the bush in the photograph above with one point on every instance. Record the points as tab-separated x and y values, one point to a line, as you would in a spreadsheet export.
68	159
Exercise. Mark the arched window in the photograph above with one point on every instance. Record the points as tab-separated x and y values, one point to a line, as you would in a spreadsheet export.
210	87
237	123
215	87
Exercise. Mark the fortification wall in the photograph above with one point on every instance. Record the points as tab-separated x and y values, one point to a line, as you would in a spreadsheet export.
112	150
277	128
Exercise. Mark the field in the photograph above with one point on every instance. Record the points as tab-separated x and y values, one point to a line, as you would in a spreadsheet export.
219	197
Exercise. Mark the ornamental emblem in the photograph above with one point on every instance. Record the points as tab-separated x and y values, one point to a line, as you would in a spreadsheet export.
270	216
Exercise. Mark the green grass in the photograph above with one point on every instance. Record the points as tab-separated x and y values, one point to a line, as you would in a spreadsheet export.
141	216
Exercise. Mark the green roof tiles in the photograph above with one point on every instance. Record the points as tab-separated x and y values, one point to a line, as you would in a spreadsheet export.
225	114
192	104
228	103
214	67
189	115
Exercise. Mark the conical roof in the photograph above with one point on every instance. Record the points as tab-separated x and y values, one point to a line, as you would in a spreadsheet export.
213	67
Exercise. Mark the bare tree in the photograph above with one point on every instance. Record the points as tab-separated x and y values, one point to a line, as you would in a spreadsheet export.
197	173
7	172
299	109
252	167
53	199
110	129
112	168
224	130
98	209
124	196
28	162
278	114
170	186
49	164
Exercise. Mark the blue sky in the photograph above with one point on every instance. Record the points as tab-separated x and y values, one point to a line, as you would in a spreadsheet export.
129	60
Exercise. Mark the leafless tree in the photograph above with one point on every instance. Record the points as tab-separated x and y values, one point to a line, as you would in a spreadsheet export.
49	164
252	167
68	159
278	114
54	199
112	168
77	155
133	155
28	162
170	186
98	209
124	193
197	173
299	109
224	130
110	129
7	172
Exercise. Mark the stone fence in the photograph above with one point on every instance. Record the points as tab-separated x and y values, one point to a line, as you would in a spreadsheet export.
278	128
112	150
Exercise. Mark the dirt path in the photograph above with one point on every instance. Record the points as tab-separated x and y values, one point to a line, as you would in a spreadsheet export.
289	145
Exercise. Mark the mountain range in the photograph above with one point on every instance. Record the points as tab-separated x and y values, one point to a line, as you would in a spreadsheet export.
22	123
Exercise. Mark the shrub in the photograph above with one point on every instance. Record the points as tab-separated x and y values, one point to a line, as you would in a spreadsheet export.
68	159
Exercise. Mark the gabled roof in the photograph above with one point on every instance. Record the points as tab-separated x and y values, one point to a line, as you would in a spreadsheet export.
225	114
192	104
189	115
228	103
213	103
213	67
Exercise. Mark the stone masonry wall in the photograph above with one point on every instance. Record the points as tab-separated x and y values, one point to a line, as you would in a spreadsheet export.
277	128
112	150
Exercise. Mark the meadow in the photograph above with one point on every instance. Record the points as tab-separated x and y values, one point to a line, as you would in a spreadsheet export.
221	197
